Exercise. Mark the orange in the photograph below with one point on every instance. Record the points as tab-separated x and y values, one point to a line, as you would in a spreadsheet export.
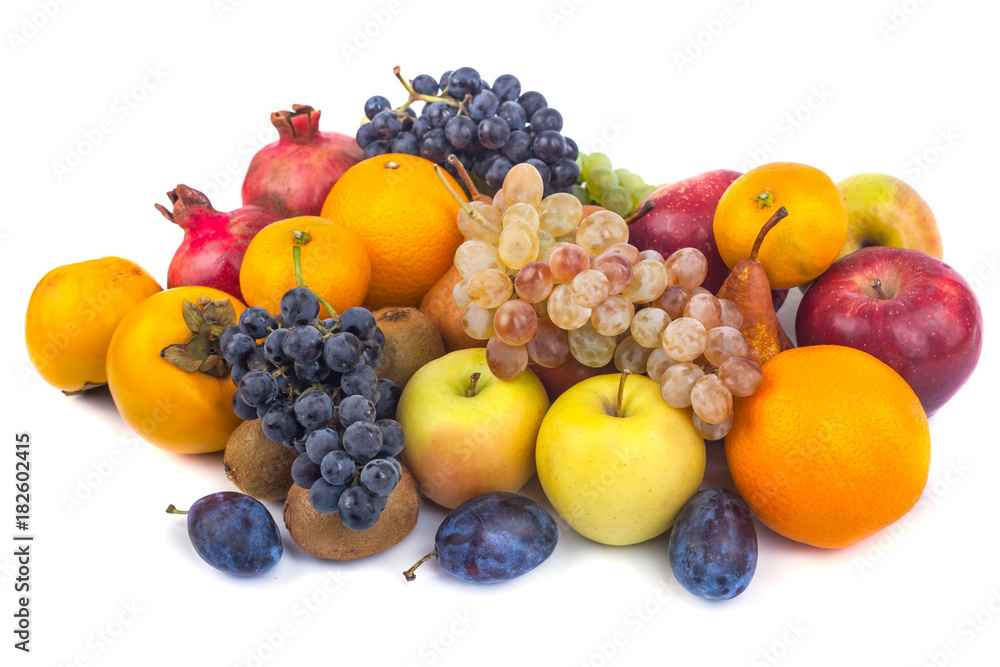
72	313
801	246
334	264
832	448
408	222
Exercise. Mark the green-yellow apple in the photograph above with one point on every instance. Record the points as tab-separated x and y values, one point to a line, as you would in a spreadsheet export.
467	437
615	461
884	211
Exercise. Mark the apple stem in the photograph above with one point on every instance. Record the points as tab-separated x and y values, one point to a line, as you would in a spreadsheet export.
646	207
411	574
466	179
473	381
876	285
768	226
621	390
173	510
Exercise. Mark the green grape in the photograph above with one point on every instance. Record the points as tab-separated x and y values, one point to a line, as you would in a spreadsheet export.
581	193
580	157
629	180
599	180
642	194
617	199
591	161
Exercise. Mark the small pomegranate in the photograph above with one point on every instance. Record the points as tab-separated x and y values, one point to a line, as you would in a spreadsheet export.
212	250
293	176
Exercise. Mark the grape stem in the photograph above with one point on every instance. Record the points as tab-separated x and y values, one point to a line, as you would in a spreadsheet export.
469	211
621	391
646	207
173	510
411	574
415	96
473	381
302	238
775	219
460	168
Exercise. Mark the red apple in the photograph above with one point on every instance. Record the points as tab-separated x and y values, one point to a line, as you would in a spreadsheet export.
682	218
570	372
912	311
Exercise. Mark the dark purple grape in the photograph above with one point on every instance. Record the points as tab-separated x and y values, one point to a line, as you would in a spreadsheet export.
493	132
342	352
321	442
239	348
305	471
565	172
406	122
389	393
713	545
273	345
353	409
233	533
464	81
507	87
494	537
434	145
362	440
303	344
325	497
375	104
312	372
514	114
406	143
358	509
518	146
379	477
385	125
532	101
241	409
425	84
358	321
393	437
421	126
572	151
459	131
373	353
497	172
299	307
548	146
482	163
258	388
546	118
237	373
278	423
444	80
483	105
255	321
313	409
438	113
543	169
257	361
364	135
338	467
376	148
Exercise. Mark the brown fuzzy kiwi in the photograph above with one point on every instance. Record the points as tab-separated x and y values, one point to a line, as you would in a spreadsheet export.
325	536
257	465
411	340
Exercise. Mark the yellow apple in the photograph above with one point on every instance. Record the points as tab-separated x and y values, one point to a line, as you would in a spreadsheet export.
618	470
466	438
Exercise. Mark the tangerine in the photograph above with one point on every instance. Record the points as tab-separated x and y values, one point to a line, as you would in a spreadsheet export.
407	220
802	246
832	448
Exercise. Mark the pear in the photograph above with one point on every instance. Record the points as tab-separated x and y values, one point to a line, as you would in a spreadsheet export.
748	287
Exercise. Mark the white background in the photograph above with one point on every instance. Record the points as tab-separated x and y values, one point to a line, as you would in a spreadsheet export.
885	79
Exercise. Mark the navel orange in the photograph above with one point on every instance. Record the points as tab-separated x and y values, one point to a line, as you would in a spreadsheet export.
407	220
832	448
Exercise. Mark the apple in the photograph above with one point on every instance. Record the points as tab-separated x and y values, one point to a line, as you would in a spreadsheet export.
884	211
466	436
615	461
911	310
682	217
565	375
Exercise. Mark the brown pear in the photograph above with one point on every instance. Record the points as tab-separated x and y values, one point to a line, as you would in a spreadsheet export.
747	286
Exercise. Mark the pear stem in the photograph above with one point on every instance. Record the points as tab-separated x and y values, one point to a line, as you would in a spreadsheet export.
173	510
775	219
876	285
466	179
473	381
411	574
302	238
646	207
621	391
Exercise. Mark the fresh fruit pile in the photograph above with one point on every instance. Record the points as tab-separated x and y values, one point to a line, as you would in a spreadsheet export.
313	385
489	129
578	285
618	190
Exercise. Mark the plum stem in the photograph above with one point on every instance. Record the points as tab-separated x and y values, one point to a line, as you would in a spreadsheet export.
302	238
466	179
876	285
621	391
646	207
173	510
410	574
768	226
473	381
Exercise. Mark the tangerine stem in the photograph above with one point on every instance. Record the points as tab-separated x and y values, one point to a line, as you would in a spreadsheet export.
768	226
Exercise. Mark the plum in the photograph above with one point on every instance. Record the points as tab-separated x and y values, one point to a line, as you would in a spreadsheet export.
493	537
713	545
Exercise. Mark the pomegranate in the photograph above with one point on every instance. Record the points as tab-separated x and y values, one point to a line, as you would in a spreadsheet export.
293	176
212	250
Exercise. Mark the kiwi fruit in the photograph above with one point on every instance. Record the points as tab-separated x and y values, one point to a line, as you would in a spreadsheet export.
411	340
325	536
257	465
